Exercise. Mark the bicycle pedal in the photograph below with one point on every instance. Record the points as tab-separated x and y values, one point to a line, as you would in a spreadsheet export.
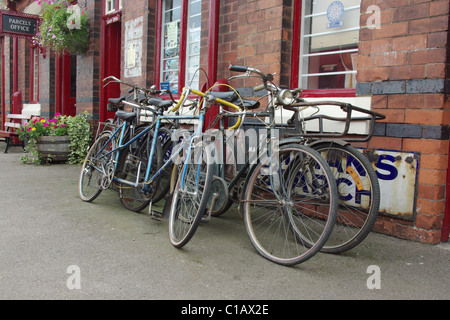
155	215
205	219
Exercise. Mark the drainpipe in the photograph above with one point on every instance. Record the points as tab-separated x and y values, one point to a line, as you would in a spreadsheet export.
446	223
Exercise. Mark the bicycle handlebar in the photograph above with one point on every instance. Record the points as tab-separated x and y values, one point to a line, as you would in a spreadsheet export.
237	68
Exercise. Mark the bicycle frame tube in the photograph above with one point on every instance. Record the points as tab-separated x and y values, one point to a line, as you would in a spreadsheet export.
197	133
148	180
122	135
122	130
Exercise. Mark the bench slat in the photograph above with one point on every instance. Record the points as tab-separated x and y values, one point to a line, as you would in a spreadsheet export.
7	134
12	124
18	116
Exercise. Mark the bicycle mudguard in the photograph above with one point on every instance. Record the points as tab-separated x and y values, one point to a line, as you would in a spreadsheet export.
300	140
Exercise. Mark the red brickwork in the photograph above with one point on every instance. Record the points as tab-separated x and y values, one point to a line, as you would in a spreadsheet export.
402	65
260	35
88	65
411	44
147	10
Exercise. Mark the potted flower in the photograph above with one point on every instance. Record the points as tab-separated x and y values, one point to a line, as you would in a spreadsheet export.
62	138
63	29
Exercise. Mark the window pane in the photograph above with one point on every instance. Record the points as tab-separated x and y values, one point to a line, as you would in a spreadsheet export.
171	44
193	46
330	36
170	51
110	6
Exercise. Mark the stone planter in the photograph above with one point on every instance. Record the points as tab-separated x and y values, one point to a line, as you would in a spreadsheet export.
55	148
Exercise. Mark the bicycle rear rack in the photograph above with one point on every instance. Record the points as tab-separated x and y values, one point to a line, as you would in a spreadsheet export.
296	121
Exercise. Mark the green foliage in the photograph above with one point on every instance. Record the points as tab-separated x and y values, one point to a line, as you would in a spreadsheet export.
78	128
55	34
37	127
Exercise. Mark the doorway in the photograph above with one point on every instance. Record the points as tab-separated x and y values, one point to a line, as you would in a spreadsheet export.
112	58
66	84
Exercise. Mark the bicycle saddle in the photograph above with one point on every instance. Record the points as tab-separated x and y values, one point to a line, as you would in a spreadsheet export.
125	115
117	100
160	103
232	97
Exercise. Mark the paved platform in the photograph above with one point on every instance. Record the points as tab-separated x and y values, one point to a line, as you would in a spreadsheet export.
51	242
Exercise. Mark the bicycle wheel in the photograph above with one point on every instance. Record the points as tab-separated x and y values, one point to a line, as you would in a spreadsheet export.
234	154
96	169
289	210
132	167
359	195
164	181
190	195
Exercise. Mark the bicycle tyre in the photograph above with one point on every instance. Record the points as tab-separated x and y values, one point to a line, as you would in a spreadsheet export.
290	215
190	195
91	175
230	168
164	180
135	158
354	221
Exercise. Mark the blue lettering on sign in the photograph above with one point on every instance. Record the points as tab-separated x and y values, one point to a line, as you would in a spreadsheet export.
343	197
384	165
360	193
341	166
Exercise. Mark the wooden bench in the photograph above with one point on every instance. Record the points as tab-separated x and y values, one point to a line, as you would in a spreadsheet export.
14	121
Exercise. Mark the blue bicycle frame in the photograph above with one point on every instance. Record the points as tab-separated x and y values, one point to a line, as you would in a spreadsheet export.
148	180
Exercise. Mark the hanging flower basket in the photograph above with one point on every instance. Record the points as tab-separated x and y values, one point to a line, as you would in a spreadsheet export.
63	29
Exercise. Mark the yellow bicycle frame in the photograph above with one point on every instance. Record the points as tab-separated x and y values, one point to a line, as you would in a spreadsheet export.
218	100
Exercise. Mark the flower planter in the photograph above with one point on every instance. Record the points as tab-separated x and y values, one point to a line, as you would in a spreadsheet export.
55	148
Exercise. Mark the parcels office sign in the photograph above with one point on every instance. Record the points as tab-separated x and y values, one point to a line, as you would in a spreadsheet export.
16	24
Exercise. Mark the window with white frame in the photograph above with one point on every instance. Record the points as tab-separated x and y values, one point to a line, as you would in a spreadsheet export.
193	45
112	5
172	46
329	44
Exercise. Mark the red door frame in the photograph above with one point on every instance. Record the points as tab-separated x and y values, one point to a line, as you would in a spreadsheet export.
3	81
64	103
106	64
59	86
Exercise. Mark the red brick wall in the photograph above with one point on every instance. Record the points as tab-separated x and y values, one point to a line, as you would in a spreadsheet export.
47	85
402	65
88	65
147	10
228	37
260	35
406	58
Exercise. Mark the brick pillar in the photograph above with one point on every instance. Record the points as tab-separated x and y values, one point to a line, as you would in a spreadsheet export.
260	37
403	64
88	65
130	14
47	84
228	37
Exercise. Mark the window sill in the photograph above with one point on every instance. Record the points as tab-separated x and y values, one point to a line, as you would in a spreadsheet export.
328	93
